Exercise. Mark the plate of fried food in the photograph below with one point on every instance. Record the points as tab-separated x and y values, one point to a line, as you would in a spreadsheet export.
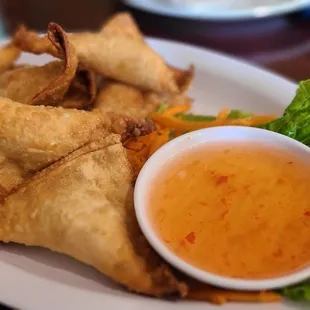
88	120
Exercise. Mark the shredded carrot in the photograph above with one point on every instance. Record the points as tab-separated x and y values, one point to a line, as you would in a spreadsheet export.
138	150
181	125
134	145
221	296
223	114
207	295
136	161
146	140
161	138
178	133
179	108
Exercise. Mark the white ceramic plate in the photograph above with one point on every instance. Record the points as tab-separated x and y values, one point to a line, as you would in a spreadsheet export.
223	10
36	279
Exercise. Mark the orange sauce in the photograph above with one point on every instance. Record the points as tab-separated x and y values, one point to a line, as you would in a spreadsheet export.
238	210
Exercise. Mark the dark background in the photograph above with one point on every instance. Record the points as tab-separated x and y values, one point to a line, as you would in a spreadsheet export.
279	43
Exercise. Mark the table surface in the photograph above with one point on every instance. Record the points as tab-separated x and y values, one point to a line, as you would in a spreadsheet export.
281	44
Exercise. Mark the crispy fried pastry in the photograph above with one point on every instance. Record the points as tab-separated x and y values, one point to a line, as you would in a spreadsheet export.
82	206
32	137
128	101
116	52
125	100
184	78
8	54
82	91
46	84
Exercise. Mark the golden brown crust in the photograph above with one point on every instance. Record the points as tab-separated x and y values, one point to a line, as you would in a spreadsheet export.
123	23
8	55
82	206
58	83
32	137
30	41
58	87
155	99
127	102
184	78
31	85
82	91
11	174
115	52
44	85
124	100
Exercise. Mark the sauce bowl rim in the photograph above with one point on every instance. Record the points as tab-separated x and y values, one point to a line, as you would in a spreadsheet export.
156	162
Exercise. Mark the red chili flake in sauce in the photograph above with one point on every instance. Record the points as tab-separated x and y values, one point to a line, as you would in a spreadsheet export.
222	179
182	243
191	237
307	213
278	253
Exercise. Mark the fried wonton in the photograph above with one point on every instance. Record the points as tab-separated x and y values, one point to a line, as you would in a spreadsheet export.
8	54
184	78
56	83
32	137
34	85
82	206
82	91
125	100
128	101
118	51
123	23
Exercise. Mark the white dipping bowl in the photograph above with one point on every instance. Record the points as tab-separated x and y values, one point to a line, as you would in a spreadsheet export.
183	143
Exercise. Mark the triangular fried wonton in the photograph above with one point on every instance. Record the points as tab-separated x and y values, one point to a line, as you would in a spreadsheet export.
8	54
184	78
125	100
82	206
123	23
118	51
32	137
128	101
50	84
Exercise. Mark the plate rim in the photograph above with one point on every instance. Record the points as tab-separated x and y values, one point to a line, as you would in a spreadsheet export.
259	12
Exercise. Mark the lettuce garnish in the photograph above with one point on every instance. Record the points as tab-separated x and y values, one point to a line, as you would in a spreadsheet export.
295	122
299	292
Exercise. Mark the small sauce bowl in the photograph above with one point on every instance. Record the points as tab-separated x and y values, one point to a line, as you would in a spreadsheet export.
204	137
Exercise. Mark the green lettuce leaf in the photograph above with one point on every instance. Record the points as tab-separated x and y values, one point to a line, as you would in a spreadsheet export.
299	292
295	122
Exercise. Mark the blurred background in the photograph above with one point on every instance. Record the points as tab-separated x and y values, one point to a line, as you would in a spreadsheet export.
271	33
